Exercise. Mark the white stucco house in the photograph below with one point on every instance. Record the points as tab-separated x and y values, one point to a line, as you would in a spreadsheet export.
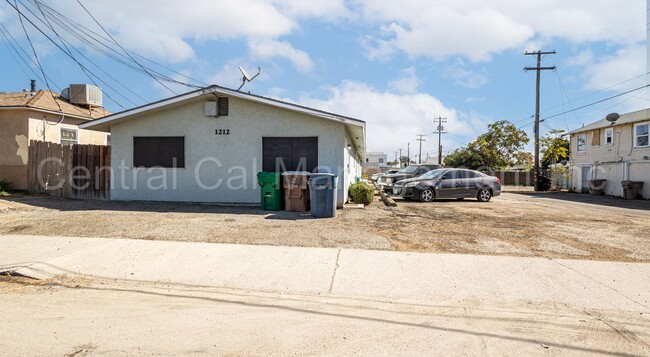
615	151
376	159
208	146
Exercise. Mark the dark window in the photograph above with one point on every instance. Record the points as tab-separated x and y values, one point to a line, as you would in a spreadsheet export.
159	151
454	174
471	174
222	107
289	154
69	136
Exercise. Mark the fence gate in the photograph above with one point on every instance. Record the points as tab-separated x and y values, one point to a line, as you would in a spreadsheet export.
74	171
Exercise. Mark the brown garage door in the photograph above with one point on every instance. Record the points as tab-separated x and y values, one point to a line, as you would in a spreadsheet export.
289	154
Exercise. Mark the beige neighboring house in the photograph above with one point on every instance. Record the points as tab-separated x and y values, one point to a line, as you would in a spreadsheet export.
618	151
40	115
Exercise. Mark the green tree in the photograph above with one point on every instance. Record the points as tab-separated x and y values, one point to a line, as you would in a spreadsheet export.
465	157
498	148
555	147
525	160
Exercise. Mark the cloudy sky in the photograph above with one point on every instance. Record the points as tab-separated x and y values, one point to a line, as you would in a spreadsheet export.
395	64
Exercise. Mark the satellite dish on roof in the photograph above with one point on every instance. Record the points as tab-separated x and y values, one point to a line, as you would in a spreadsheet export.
612	117
247	77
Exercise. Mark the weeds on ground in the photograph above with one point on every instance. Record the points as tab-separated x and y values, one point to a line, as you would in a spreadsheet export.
4	187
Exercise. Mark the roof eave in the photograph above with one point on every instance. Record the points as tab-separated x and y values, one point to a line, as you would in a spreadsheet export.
15	107
103	123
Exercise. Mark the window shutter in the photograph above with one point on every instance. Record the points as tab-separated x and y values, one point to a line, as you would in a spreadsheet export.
222	107
595	139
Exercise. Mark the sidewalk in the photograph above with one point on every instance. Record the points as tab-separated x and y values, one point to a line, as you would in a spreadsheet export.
339	272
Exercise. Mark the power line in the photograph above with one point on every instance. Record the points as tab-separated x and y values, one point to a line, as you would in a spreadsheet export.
10	46
599	101
47	83
84	69
125	51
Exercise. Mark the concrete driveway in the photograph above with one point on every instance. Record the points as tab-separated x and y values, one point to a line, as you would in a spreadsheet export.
314	299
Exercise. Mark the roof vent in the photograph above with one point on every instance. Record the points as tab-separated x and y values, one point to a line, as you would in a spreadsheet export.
84	95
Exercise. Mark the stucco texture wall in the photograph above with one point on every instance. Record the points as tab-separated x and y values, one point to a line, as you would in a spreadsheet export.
38	121
615	163
218	168
14	144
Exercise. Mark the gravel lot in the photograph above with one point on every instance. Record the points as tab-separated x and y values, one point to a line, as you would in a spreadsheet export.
558	225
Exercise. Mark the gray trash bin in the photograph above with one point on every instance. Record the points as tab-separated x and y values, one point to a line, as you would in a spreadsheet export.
322	189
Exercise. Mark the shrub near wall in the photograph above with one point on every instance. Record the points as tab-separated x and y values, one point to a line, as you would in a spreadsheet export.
361	193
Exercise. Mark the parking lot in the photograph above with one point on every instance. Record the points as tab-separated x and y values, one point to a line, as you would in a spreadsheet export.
558	225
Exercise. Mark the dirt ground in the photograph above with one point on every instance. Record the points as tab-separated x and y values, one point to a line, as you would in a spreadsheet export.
557	225
83	317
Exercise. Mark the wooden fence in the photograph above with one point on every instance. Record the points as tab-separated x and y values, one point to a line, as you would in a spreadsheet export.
74	171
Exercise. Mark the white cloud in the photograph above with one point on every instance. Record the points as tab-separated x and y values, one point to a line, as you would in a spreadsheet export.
330	9
268	49
582	59
476	29
408	82
464	77
166	29
625	64
395	119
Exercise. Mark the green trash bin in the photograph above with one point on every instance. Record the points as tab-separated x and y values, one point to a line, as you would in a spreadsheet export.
271	190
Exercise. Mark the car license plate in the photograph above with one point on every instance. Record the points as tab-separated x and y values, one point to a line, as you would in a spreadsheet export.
397	191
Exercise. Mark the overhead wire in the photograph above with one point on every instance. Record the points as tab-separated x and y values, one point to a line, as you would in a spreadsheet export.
12	49
21	15
50	18
83	68
85	35
47	83
598	102
125	51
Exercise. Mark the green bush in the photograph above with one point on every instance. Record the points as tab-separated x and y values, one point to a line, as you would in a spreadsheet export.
361	193
4	185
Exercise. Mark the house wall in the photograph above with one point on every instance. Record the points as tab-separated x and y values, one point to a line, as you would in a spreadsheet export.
53	130
373	159
218	168
353	169
615	163
14	143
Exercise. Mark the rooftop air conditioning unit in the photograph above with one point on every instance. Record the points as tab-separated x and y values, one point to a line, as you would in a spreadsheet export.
85	94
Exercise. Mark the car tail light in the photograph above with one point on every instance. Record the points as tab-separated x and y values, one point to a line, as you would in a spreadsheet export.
498	180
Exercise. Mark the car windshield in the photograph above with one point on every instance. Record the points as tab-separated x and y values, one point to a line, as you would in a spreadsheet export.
409	169
432	174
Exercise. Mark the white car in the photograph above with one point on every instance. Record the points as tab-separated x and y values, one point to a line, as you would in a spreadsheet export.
375	177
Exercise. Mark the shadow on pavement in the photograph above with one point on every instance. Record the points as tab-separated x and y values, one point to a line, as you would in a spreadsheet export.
70	205
610	201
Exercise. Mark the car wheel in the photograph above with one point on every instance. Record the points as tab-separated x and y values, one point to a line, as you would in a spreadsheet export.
484	195
426	195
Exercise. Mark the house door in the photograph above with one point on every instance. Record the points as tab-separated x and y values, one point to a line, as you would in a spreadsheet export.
289	154
586	176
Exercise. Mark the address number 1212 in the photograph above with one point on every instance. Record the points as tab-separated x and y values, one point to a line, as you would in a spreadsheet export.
222	132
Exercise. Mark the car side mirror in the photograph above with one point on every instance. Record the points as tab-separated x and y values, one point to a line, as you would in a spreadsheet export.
443	178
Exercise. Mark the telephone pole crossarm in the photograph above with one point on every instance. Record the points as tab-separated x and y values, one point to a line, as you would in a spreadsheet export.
538	69
420	139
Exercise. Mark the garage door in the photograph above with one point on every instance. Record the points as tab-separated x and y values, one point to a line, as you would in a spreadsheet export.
290	154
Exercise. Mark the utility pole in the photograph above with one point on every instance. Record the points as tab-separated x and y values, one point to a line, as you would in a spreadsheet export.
420	154
396	157
408	153
538	69
440	130
400	157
